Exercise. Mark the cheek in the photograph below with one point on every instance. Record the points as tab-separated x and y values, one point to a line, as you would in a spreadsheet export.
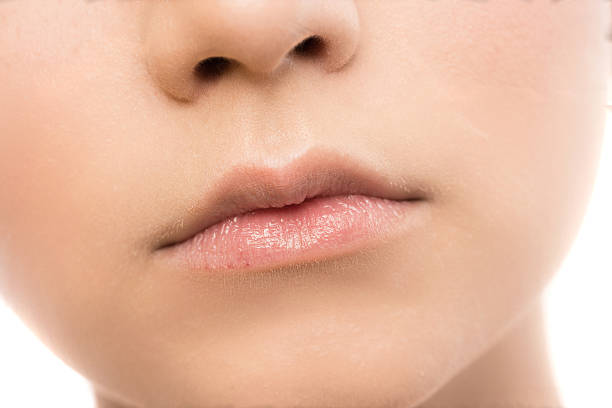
45	212
506	99
66	201
544	46
526	86
516	92
522	90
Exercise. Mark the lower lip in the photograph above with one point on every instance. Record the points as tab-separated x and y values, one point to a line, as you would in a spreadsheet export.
315	229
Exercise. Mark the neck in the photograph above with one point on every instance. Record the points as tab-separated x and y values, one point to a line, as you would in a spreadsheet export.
516	371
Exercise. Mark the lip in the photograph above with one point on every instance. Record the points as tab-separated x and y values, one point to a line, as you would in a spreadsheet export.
319	183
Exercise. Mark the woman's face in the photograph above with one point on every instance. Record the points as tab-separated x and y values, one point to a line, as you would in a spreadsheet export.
108	138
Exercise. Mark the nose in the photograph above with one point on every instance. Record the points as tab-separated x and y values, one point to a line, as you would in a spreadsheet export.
188	41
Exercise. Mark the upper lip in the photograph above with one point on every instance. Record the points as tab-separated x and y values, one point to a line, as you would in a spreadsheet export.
317	173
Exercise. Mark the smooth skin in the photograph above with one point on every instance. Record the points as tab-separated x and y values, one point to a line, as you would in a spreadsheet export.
108	134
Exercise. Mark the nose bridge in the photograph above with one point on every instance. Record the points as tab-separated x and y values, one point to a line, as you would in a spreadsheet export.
258	34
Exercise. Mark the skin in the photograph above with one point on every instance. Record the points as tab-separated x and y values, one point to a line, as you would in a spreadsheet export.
497	107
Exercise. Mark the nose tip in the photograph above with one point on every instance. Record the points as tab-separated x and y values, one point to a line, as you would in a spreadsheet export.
188	40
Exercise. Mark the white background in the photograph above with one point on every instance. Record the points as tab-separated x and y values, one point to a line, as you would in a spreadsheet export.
578	303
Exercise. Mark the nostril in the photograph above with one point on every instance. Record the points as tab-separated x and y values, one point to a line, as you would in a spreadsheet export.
212	67
310	46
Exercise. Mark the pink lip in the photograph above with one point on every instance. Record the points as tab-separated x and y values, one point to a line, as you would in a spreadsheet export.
316	228
319	205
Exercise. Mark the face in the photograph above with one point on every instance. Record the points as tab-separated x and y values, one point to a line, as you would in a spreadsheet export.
108	138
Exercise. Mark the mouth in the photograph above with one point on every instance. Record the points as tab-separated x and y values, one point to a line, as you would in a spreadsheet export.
321	205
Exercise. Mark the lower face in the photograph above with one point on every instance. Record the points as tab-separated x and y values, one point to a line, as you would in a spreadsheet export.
497	107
